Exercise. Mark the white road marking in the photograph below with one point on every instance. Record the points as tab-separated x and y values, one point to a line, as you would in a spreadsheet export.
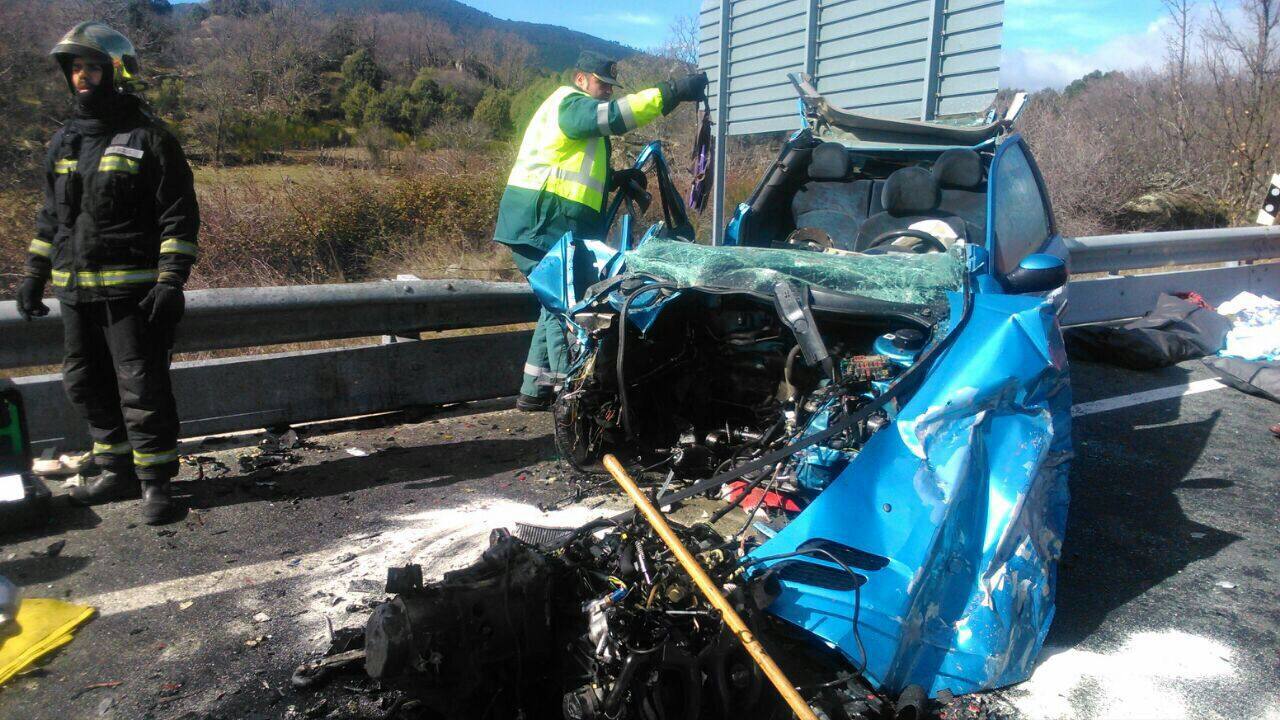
196	586
1147	396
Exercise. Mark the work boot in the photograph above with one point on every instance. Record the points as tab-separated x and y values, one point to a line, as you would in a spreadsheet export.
158	507
107	486
529	403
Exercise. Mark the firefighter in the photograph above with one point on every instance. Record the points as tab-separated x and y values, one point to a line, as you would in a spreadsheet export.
560	181
117	238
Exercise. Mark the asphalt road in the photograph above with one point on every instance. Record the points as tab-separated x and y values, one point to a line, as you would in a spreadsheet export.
1167	601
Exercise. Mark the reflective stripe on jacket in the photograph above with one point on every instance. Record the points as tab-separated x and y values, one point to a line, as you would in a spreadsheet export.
561	175
120	209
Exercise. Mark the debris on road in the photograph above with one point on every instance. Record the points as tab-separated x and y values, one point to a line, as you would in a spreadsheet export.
582	627
215	468
312	674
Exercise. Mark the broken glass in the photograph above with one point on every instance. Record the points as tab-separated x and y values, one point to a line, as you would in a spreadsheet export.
896	277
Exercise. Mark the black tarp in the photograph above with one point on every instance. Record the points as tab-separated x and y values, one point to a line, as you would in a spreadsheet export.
1175	330
1254	377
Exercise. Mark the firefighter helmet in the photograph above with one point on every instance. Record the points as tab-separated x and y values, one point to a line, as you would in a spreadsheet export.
98	42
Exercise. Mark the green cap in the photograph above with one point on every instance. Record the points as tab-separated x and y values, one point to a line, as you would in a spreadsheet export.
600	66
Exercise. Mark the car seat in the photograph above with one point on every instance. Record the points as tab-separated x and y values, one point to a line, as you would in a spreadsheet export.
829	201
959	175
909	197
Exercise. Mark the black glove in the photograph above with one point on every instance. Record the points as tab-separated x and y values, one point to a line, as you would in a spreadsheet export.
622	179
30	290
691	87
632	183
164	305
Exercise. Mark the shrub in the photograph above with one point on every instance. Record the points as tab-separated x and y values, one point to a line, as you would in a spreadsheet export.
328	224
494	112
356	101
359	67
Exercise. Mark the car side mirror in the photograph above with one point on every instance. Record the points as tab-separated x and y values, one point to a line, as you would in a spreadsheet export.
1038	272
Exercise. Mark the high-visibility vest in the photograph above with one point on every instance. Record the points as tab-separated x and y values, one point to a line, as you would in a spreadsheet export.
576	168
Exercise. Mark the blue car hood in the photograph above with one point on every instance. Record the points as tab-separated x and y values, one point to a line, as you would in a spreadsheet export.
966	496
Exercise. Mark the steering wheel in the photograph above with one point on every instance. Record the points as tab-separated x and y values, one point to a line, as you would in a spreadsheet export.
928	242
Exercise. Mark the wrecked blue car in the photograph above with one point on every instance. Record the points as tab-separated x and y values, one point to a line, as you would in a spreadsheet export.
876	343
870	367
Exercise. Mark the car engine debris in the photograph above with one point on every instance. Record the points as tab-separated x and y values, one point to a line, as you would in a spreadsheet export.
597	622
721	379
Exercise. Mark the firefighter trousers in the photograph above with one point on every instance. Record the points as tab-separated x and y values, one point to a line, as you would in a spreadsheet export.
116	374
548	358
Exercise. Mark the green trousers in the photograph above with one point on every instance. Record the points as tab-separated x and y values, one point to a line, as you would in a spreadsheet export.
548	358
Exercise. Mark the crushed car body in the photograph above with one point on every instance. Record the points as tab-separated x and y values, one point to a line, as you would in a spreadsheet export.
877	342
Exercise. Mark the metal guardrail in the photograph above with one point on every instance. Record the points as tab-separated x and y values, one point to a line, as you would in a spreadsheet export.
255	391
250	317
1111	253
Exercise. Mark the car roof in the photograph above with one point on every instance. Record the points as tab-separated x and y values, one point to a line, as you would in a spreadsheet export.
868	132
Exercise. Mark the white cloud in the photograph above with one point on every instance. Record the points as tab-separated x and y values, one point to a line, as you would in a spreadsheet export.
627	18
1030	68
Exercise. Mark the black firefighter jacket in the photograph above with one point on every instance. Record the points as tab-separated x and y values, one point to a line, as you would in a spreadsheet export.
119	211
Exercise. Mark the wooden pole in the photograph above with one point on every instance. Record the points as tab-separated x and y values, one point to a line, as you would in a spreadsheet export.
711	591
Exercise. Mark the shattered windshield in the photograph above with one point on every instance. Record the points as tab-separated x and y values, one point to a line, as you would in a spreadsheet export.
896	277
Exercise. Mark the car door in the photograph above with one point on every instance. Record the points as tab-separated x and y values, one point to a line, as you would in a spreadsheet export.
1022	218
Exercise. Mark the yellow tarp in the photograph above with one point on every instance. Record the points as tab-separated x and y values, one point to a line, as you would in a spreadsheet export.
42	626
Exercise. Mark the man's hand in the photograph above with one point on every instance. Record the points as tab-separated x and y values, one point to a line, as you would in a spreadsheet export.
30	292
622	179
691	87
164	305
633	183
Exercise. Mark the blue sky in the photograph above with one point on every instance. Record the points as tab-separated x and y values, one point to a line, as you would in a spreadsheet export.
1048	43
1051	42
641	25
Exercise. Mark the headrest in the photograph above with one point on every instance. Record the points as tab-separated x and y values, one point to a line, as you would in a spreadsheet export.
909	191
958	168
830	161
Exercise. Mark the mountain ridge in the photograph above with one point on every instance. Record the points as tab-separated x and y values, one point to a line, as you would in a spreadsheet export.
557	46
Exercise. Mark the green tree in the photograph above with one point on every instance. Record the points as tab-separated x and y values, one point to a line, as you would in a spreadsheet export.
424	86
525	103
494	112
1079	85
392	108
239	8
356	101
360	67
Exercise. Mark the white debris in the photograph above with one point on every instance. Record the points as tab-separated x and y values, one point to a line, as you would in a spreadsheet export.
357	452
261	618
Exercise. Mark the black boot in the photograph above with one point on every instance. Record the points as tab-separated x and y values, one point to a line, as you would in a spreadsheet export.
158	507
107	486
529	403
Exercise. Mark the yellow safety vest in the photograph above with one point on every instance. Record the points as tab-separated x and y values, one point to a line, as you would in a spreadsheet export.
576	168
